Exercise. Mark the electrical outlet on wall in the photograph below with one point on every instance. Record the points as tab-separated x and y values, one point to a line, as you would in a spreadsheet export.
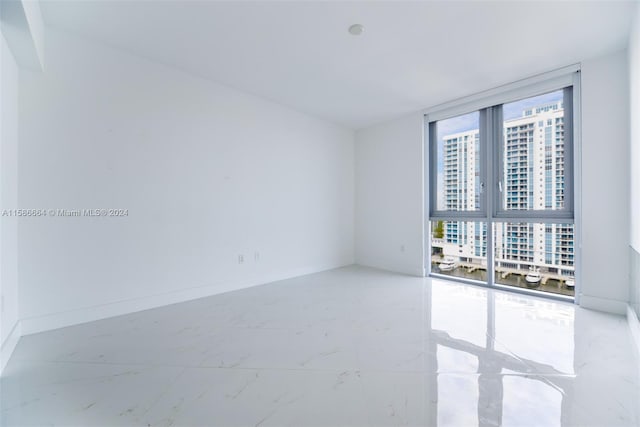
240	259
256	256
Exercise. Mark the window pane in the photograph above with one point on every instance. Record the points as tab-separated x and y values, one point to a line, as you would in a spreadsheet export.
533	157
535	256
459	248
458	163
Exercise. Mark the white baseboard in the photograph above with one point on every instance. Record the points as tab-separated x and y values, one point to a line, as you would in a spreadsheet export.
603	304
408	270
51	321
420	272
634	327
9	345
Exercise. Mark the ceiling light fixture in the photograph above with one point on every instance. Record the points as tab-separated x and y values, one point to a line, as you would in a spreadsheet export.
356	29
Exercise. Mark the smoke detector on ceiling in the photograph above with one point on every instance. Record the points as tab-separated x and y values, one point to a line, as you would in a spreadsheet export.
356	29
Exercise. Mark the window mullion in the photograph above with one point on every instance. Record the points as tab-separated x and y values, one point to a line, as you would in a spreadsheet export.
489	142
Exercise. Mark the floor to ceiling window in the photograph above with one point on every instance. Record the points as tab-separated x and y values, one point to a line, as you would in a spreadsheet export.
501	188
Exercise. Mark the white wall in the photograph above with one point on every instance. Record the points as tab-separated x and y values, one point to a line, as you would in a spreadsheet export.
389	188
634	101
389	195
634	166
8	200
23	30
605	183
206	173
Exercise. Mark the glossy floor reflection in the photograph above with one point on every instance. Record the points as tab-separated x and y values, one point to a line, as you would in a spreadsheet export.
352	346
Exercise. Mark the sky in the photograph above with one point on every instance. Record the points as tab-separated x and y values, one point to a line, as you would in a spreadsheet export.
515	109
509	111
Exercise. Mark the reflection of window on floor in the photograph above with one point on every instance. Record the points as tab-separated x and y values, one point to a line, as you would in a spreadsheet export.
499	370
530	243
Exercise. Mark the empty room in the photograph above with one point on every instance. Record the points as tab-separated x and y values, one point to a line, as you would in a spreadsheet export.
319	213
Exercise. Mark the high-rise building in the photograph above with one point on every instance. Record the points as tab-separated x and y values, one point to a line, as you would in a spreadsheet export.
461	176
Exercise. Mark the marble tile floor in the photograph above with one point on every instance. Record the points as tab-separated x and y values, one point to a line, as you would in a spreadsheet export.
347	347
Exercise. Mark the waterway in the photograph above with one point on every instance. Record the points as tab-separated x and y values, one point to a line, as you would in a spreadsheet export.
515	280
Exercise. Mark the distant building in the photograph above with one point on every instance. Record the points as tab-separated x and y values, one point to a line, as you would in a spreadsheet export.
461	176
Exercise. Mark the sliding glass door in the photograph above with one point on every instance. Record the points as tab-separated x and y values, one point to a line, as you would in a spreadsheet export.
501	193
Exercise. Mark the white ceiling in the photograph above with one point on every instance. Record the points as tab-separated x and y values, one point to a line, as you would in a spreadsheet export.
412	55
